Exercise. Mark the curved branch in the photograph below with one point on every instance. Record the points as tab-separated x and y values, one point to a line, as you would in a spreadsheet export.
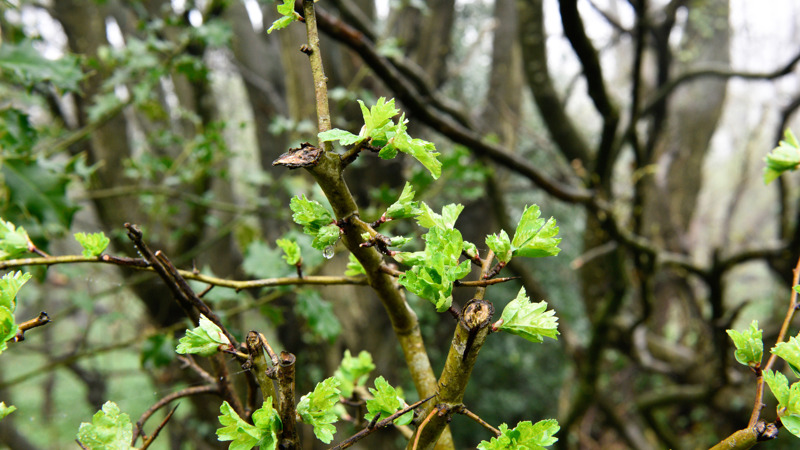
195	390
717	72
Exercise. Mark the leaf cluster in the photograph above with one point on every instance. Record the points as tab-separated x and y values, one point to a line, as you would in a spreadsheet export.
316	220
386	401
111	429
244	436
353	371
94	244
391	137
525	435
784	157
316	408
204	340
533	238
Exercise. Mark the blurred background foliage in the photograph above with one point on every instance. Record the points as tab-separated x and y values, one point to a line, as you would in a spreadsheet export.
168	114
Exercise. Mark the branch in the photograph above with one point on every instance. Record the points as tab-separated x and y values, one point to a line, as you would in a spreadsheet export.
759	405
719	72
287	410
383	423
195	390
163	423
470	335
748	437
418	106
40	320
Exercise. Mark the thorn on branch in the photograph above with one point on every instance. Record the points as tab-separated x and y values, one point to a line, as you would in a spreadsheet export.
306	49
495	270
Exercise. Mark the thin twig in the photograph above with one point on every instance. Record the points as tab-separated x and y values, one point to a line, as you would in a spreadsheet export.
158	429
422	425
40	320
195	390
482	422
385	422
759	405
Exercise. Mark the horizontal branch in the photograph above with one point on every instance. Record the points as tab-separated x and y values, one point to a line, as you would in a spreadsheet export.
716	72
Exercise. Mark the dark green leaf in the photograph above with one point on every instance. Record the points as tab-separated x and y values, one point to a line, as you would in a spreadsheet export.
24	64
319	315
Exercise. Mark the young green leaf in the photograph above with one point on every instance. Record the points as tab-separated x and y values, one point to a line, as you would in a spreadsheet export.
286	10
354	268
524	436
790	352
749	347
423	151
110	429
386	402
13	240
532	321
353	372
6	410
405	206
786	156
316	408
93	244
204	340
377	117
244	436
428	218
8	327
10	284
433	277
291	251
534	236
316	221
788	400
344	137
500	245
24	63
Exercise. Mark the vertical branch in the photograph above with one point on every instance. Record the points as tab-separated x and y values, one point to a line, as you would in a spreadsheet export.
320	80
289	438
259	360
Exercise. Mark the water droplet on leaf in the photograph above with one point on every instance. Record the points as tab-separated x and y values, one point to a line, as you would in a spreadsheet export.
328	252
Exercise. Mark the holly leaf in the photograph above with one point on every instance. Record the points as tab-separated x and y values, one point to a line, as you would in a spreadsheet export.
524	436
24	64
204	340
344	137
500	245
316	408
10	284
353	371
6	410
386	402
534	236
110	429
13	240
786	156
790	352
93	244
405	206
291	251
354	267
749	346
245	436
532	321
